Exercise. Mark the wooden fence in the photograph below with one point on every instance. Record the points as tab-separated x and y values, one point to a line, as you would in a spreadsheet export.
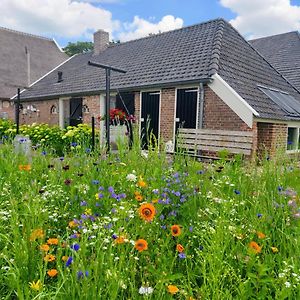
208	140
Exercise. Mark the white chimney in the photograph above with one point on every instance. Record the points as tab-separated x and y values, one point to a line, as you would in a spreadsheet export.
101	41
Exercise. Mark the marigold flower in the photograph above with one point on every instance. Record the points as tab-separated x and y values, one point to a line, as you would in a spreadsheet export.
175	230
137	193
72	224
24	167
172	289
147	212
37	234
44	247
255	247
141	245
179	248
52	241
260	235
64	258
139	197
52	272
142	184
36	286
274	249
120	240
49	258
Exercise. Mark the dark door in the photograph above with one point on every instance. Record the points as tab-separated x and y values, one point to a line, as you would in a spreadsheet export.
186	108
75	111
149	118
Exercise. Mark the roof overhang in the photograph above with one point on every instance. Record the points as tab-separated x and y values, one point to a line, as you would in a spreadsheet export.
230	97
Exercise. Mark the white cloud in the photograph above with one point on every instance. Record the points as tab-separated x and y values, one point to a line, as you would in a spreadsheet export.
141	27
257	18
63	18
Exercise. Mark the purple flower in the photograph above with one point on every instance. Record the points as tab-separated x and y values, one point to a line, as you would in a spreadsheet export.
177	194
191	228
200	172
155	191
164	227
75	247
83	203
182	255
100	195
44	153
172	213
74	236
69	261
95	181
114	236
161	217
88	150
108	226
111	189
73	144
113	210
81	275
237	192
259	215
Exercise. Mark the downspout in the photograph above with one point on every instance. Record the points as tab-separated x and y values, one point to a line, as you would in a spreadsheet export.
201	105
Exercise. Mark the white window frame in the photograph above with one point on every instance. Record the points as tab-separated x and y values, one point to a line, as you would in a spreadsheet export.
295	139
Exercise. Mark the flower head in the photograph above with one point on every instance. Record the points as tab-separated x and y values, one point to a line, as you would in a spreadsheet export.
254	247
179	248
52	241
75	247
172	289
52	272
274	249
44	247
24	167
131	177
37	234
49	258
175	230
69	261
142	184
260	235
141	245
147	212
145	290
36	286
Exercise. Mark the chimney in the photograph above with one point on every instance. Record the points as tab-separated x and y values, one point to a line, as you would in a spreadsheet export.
59	76
101	41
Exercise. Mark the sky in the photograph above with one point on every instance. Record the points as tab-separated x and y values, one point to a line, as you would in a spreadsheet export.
76	20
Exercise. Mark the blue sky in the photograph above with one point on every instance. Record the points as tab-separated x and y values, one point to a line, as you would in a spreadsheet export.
75	20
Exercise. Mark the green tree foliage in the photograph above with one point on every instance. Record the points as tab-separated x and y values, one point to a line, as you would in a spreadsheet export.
78	47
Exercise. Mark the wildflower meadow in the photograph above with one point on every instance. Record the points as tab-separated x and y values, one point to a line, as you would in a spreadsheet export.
147	225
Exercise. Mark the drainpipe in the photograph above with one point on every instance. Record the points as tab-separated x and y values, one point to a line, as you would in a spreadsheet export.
201	104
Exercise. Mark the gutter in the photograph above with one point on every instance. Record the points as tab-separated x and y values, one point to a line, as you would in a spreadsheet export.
201	104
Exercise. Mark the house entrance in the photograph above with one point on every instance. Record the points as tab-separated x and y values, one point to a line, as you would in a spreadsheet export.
150	104
75	111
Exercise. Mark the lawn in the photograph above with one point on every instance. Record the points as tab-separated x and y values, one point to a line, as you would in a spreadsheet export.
147	226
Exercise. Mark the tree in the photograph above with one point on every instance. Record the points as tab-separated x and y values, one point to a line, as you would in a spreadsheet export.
78	47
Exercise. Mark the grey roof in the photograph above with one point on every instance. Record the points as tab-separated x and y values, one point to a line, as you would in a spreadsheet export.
44	56
283	52
189	54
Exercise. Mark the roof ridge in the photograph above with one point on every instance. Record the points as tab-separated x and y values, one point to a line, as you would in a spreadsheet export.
165	32
213	66
26	34
270	36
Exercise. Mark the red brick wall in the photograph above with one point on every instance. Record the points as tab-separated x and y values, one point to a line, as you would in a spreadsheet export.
93	104
137	106
9	109
271	138
42	116
167	110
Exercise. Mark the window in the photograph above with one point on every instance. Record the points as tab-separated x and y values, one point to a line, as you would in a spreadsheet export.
293	142
53	110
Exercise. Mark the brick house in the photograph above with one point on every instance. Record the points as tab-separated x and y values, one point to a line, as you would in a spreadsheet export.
24	58
201	76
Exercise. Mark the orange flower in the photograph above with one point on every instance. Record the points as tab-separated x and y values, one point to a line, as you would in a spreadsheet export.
52	241
147	212
141	245
52	272
254	247
120	240
72	224
136	193
37	234
142	184
260	235
179	248
172	289
175	230
44	247
64	258
49	258
24	167
139	197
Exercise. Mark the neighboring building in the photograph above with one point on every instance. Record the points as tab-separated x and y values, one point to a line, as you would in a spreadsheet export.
201	76
23	59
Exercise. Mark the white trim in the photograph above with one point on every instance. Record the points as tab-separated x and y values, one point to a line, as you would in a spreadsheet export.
60	49
233	99
12	98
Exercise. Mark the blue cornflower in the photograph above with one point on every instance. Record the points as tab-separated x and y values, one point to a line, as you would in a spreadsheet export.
114	236
88	150
73	144
44	153
201	247
83	203
191	228
111	189
95	181
280	189
74	236
259	215
161	217
200	172
75	247
182	255
101	188
69	261
80	274
61	158
178	194
164	227
237	192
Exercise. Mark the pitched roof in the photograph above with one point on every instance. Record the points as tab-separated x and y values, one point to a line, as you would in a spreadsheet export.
184	55
283	52
44	56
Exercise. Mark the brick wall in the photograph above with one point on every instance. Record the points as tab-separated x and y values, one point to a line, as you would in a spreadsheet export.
137	106
271	138
167	110
43	114
93	104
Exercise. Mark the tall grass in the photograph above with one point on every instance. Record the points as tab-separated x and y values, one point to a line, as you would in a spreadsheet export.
91	204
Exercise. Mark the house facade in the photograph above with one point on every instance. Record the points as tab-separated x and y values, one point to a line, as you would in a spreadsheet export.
24	58
202	76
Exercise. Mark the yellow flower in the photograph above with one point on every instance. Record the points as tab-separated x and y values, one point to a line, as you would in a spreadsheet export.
44	247
88	212
142	184
274	249
37	234
49	258
172	289
36	286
